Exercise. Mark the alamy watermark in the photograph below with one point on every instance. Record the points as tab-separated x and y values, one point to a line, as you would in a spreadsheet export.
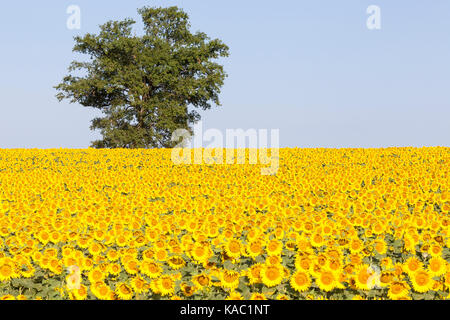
236	143
74	20
374	20
373	282
73	280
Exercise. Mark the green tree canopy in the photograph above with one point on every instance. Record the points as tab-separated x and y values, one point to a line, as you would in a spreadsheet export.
146	86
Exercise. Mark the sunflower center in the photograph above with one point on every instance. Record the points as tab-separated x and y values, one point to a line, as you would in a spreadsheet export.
6	270
125	290
230	277
255	247
301	279
435	266
234	247
396	289
203	280
363	277
272	274
326	278
167	284
422	279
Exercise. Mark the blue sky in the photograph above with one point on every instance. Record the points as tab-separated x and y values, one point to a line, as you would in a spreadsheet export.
310	68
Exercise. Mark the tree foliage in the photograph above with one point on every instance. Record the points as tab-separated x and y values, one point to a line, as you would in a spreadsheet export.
146	86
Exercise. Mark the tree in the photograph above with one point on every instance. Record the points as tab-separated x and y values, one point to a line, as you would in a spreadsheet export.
146	86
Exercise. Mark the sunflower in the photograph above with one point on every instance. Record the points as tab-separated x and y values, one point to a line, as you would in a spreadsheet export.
435	250
234	296
96	275
291	245
87	264
254	248
304	245
95	249
100	290
279	233
326	281
161	254
112	255
253	234
80	293
187	290
258	296
412	265
274	247
233	248
421	281
272	275
51	252
176	262
300	281
213	232
334	253
154	287
447	279
386	278
397	289
409	244
380	247
69	261
55	266
436	266
398	269
230	279
138	284
356	246
131	266
355	259
83	242
148	254
303	263
6	269
43	237
378	229
151	269
386	263
199	253
437	286
123	291
27	270
335	266
201	280
121	241
254	273
317	240
274	260
166	285
114	269
366	278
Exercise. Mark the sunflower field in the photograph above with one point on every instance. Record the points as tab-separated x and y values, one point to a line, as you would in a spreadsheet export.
130	224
